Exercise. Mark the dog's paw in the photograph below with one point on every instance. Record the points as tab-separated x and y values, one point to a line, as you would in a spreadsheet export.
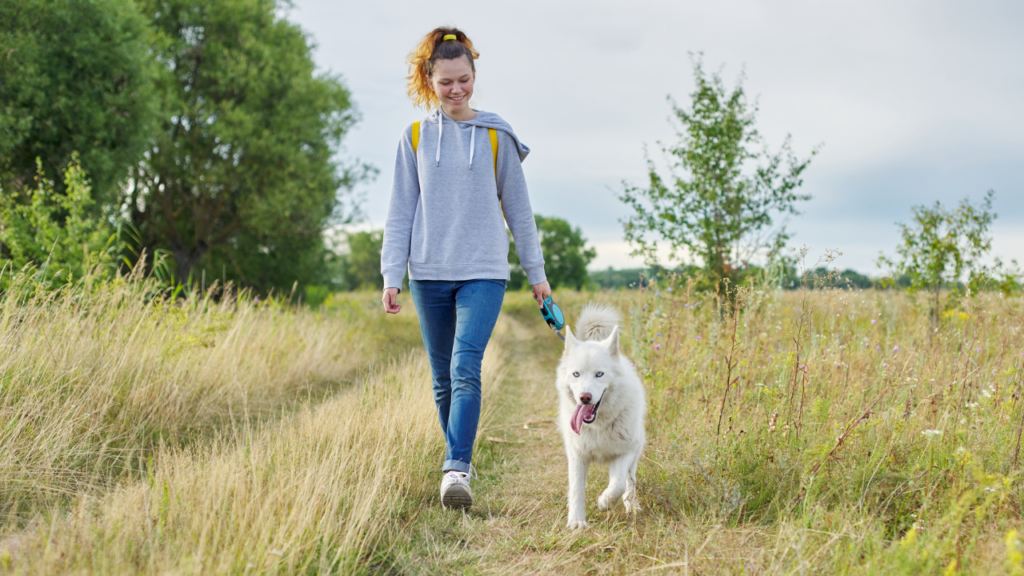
632	505
576	524
605	501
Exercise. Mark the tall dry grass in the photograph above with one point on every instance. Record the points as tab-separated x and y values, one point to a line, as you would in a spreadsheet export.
823	431
317	492
94	378
842	422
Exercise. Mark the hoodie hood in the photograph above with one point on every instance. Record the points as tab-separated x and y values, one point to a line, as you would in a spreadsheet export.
483	120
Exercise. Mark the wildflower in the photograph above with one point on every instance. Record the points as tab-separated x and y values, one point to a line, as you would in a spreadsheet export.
630	310
895	348
669	288
659	333
698	338
986	393
977	349
657	293
872	320
931	433
885	365
657	346
645	308
769	356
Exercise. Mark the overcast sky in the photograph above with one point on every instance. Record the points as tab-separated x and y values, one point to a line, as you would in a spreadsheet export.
913	102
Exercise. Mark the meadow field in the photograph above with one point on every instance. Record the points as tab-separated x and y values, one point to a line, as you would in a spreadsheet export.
791	432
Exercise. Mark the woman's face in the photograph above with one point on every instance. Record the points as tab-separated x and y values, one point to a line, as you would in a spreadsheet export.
453	83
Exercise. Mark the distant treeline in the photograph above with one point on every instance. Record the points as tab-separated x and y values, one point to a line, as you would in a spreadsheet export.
630	278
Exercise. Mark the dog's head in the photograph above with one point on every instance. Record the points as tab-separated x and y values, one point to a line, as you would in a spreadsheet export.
589	369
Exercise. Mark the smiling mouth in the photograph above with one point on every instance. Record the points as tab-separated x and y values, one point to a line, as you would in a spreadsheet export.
459	99
584	414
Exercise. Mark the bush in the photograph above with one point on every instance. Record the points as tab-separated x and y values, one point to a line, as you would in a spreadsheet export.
52	233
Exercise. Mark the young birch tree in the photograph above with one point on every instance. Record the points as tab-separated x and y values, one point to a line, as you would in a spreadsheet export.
717	204
945	248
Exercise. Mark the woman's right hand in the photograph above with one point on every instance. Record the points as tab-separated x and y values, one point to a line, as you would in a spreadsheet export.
390	300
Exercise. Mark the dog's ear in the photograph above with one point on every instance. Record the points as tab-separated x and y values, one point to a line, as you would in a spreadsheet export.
570	340
612	342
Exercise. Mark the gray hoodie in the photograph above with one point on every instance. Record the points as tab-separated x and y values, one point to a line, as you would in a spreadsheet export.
445	214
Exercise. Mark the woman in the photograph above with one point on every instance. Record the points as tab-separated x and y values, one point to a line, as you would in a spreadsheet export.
458	173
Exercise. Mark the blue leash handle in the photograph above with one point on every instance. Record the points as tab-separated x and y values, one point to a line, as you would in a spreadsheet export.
553	316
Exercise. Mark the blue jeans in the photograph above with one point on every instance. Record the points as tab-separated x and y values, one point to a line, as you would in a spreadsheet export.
456	320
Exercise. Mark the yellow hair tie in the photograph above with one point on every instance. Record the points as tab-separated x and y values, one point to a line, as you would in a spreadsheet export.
450	37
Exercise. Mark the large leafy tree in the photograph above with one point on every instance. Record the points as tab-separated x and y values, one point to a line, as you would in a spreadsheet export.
717	205
75	76
566	255
242	176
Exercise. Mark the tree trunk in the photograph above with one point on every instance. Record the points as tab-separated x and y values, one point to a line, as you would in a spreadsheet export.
186	260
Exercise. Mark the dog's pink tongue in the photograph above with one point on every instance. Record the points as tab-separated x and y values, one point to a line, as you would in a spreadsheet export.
582	411
577	419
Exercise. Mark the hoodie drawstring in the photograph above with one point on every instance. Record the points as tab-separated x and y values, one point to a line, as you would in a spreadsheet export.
440	129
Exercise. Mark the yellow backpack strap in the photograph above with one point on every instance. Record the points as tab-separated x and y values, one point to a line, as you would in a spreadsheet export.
494	154
494	150
415	137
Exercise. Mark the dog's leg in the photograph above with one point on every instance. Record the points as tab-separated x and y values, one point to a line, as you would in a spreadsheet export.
577	492
629	498
618	474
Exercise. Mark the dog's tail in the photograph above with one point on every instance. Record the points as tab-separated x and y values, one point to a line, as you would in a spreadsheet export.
596	321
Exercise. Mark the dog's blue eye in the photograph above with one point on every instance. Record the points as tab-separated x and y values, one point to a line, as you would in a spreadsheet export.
599	374
576	374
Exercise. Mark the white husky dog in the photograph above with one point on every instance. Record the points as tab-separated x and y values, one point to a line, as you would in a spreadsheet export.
601	411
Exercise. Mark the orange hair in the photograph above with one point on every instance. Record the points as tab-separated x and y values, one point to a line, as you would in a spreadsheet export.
421	60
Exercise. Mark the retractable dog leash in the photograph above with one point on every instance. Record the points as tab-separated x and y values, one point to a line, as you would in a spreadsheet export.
553	316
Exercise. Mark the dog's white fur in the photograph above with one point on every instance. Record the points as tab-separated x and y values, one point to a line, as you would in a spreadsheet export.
616	435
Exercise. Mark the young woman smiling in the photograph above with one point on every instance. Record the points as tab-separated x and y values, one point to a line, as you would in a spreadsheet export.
457	175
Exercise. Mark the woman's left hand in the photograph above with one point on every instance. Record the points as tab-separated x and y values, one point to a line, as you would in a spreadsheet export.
541	291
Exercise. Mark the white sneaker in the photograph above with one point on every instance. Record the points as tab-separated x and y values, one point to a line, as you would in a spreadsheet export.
455	492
